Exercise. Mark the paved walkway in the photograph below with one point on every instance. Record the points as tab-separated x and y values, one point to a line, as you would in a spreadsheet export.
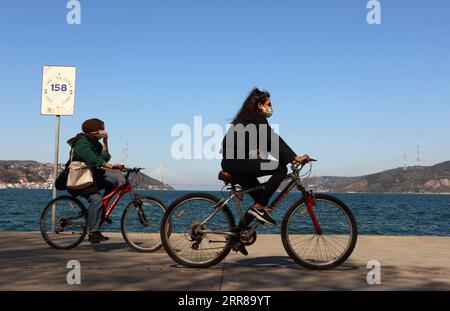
407	263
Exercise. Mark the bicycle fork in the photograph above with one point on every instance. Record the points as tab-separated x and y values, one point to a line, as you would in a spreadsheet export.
310	202
137	202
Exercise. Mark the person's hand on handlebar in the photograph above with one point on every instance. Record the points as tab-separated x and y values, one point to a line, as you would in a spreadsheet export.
118	166
113	166
301	159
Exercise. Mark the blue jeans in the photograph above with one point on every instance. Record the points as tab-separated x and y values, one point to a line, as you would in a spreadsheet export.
107	183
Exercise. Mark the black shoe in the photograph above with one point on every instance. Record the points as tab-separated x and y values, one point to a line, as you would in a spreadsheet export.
102	237
96	237
262	215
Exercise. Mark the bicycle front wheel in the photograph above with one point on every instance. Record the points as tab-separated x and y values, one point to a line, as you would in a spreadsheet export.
335	242
195	232
140	224
63	222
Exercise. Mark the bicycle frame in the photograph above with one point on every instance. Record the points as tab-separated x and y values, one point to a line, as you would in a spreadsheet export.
294	181
120	191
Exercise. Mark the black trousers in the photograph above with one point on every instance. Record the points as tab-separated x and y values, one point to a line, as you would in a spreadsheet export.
246	172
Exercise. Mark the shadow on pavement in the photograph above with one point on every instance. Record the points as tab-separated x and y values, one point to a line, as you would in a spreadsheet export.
280	262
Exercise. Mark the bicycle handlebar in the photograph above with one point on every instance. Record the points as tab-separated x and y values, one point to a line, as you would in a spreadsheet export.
132	170
298	166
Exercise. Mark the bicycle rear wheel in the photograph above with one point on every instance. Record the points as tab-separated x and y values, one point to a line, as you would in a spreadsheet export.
140	224
321	251
194	233
63	222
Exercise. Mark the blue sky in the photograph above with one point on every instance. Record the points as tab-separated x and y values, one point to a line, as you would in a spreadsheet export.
353	95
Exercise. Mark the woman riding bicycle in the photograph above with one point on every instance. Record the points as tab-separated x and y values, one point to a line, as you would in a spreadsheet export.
244	155
199	230
87	148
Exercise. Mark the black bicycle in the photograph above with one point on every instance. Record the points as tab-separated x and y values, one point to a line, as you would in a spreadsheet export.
318	231
64	220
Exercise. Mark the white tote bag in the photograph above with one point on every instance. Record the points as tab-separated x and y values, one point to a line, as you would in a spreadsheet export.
80	175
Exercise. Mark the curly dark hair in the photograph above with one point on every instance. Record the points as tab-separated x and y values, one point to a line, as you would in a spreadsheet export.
250	106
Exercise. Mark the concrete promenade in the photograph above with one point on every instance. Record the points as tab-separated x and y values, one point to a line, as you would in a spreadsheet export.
407	263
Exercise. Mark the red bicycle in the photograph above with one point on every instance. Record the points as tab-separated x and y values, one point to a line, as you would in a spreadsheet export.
64	220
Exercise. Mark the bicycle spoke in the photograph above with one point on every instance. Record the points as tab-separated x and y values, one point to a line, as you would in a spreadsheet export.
330	245
330	249
199	231
70	223
143	237
337	242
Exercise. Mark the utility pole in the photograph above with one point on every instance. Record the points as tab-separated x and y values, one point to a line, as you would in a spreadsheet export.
418	160
125	155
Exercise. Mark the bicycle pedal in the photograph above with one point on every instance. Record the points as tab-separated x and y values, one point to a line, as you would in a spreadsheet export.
236	246
240	247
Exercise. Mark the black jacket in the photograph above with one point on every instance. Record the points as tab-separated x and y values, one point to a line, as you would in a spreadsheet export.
286	154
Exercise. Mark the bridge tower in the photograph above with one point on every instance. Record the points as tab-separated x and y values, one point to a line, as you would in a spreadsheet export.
418	160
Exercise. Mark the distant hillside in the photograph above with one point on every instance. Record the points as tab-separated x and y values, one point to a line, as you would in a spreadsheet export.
31	174
36	175
145	181
415	179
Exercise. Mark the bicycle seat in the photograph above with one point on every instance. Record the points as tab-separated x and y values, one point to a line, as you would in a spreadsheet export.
226	177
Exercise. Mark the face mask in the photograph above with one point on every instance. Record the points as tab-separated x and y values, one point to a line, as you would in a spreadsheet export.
267	112
98	135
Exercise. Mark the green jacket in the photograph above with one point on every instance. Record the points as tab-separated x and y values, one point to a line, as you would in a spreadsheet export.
90	152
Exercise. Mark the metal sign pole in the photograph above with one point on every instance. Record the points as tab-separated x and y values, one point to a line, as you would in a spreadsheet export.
57	99
55	170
